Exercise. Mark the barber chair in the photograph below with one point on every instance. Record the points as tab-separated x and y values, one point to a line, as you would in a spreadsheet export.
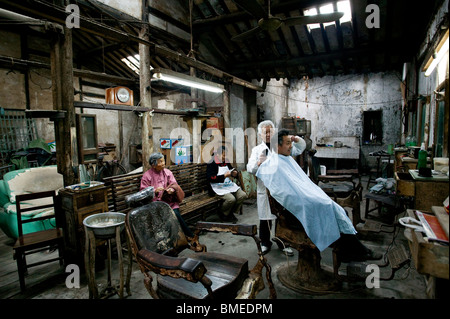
340	185
307	275
157	241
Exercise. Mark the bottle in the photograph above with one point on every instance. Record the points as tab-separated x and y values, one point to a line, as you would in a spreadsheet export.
408	141
422	161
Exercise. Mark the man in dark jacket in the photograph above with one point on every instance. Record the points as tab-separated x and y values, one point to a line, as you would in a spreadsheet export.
220	173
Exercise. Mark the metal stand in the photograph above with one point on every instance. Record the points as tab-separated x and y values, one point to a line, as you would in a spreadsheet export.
89	259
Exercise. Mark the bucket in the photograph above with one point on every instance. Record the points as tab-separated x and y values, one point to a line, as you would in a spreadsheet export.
440	164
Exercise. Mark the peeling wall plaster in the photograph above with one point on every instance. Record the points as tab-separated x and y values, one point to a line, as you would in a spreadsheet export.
335	105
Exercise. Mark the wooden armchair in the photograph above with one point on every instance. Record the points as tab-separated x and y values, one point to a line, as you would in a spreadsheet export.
340	185
157	240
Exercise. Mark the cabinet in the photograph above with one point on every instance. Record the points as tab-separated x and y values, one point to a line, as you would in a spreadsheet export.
77	205
427	191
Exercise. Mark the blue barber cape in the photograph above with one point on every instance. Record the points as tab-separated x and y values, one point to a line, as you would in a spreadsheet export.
321	217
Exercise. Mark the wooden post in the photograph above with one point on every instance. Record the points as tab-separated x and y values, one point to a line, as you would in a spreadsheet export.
62	91
227	123
145	91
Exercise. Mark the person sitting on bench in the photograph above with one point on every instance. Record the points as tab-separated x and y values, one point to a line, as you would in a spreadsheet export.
325	222
166	187
219	173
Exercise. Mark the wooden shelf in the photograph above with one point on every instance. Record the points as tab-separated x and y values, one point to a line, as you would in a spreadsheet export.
50	114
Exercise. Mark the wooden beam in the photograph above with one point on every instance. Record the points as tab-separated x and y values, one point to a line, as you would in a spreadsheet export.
62	92
22	65
58	14
145	90
318	58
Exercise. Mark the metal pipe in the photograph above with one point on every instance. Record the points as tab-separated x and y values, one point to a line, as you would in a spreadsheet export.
30	21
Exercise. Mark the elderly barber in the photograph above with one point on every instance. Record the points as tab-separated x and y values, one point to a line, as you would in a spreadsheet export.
259	154
166	187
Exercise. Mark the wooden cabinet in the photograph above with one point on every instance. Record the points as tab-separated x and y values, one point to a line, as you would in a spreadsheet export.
427	191
77	205
429	258
405	184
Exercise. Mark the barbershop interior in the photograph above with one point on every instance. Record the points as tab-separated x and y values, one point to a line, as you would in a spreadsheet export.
96	95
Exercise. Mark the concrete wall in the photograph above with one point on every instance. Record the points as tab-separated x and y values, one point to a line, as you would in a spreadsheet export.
335	105
13	82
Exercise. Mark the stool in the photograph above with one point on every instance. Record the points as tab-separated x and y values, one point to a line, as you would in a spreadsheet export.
378	170
388	200
89	260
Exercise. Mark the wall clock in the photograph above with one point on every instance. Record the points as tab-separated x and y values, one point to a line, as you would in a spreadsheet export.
119	95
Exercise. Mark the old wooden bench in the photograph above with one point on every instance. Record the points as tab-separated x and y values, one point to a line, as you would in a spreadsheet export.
197	204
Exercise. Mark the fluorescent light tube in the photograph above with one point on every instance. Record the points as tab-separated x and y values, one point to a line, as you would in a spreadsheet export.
442	51
186	80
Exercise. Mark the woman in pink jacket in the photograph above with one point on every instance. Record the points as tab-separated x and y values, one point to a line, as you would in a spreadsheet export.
166	187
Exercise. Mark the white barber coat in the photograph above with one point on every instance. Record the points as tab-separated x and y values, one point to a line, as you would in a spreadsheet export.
262	199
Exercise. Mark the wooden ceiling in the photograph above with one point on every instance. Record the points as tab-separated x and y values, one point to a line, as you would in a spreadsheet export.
297	51
289	52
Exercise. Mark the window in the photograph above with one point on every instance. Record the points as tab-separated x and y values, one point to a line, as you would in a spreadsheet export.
372	127
132	62
87	138
423	120
340	6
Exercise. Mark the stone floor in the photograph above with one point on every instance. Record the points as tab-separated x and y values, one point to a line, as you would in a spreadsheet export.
406	284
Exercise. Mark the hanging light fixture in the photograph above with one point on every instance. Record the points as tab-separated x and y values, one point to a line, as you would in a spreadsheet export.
440	52
186	80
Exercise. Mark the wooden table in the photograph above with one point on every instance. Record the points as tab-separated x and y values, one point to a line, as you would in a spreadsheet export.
349	151
430	258
427	191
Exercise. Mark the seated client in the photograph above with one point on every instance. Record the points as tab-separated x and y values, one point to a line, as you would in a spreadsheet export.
324	221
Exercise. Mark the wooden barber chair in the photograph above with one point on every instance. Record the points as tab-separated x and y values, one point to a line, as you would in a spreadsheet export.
157	241
307	275
340	185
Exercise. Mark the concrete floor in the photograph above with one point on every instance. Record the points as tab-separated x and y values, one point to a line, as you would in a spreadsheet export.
407	283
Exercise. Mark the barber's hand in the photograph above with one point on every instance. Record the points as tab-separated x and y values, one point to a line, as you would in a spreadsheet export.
170	190
262	158
227	174
159	189
295	138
